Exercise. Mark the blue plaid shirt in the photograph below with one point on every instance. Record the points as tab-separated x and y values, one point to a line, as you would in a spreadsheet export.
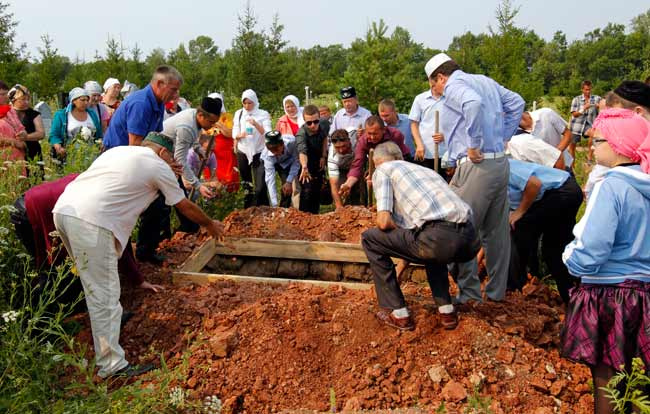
415	195
581	124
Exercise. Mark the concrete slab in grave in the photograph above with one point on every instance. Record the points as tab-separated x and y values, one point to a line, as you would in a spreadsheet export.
46	116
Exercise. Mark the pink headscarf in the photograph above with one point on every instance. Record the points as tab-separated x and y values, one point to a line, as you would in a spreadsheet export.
627	134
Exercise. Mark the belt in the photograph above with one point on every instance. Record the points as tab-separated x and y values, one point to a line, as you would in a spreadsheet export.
486	155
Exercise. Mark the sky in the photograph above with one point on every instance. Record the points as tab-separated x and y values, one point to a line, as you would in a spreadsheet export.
79	28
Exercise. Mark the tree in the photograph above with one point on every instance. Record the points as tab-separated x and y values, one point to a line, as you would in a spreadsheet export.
12	62
381	66
48	73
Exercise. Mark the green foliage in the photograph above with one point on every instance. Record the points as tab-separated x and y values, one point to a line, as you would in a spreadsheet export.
477	404
12	61
635	385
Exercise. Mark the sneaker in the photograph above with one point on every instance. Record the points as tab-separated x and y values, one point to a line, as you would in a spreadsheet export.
131	371
449	321
403	324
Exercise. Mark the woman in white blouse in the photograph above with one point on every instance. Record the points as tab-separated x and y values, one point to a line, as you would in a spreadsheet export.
249	126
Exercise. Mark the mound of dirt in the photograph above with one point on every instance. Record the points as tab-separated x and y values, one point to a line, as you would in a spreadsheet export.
345	225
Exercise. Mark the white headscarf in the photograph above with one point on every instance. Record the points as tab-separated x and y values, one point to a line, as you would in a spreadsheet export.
300	120
251	96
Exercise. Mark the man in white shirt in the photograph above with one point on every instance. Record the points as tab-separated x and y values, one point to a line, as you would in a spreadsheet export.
95	216
352	115
550	127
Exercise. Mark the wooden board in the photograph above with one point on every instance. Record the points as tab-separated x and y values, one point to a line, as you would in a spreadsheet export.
204	278
281	249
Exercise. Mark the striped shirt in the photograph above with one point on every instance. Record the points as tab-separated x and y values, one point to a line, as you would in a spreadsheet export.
415	195
581	124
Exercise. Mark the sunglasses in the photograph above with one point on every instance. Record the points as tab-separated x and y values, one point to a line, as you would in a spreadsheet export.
314	122
335	140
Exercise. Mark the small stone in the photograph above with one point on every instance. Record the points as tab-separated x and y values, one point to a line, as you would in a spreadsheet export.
550	368
509	372
352	404
191	383
543	410
438	373
338	328
506	353
373	344
454	392
222	343
557	387
539	384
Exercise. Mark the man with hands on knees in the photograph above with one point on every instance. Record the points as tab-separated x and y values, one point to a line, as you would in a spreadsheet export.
279	156
95	216
420	220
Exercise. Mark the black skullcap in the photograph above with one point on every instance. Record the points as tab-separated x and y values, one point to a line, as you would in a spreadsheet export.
273	138
348	92
212	105
634	91
162	140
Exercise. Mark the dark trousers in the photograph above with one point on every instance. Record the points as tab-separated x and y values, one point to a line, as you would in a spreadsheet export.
310	192
186	225
255	192
434	245
552	218
285	200
155	226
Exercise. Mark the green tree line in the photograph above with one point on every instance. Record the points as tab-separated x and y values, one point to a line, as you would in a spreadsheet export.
384	63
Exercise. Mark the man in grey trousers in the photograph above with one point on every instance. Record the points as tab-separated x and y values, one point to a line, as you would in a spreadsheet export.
482	115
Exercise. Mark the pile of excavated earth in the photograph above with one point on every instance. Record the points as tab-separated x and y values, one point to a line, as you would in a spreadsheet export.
264	348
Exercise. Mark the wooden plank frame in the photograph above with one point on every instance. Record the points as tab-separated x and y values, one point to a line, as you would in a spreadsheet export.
180	278
281	249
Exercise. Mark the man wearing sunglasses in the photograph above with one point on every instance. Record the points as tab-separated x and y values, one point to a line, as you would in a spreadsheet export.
311	141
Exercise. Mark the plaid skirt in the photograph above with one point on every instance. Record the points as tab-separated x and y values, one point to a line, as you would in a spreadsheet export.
608	324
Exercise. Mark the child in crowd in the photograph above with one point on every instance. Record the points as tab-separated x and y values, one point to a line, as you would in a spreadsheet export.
609	314
194	161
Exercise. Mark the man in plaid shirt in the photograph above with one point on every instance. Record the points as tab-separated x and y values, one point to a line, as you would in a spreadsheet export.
420	220
584	109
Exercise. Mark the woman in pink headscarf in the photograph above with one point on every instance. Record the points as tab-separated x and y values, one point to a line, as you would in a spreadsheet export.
608	315
12	131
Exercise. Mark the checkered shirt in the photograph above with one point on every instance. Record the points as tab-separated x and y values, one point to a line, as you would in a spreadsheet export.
415	195
580	125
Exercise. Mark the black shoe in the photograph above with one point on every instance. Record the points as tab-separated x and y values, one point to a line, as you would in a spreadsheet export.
153	258
131	371
125	318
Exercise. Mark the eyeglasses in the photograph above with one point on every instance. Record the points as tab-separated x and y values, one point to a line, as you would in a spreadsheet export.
335	140
314	122
597	141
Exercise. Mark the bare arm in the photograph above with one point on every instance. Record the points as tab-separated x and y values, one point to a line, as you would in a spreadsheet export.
135	139
528	198
39	134
566	140
385	221
195	214
334	188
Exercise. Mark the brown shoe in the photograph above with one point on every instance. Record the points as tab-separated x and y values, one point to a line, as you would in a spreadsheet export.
449	321
403	324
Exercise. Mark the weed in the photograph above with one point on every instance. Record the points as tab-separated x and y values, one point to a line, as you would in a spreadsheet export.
636	384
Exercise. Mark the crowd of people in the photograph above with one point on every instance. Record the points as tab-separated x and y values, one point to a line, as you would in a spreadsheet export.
467	178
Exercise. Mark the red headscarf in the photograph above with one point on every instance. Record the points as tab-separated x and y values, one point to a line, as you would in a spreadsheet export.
4	109
627	134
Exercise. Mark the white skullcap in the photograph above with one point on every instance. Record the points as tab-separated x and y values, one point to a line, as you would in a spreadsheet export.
435	62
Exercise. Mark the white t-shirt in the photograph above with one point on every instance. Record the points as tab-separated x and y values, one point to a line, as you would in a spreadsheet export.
74	126
117	188
525	147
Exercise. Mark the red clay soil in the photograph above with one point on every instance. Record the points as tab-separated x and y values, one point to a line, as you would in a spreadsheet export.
268	348
345	225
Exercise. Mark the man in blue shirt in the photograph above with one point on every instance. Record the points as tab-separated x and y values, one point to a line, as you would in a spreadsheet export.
140	113
480	116
281	156
544	202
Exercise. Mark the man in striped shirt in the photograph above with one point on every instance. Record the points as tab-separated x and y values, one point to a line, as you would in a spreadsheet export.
420	220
